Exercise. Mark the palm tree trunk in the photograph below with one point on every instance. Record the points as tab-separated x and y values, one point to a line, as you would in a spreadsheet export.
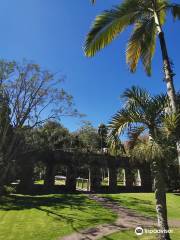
160	196
168	73
166	63
169	82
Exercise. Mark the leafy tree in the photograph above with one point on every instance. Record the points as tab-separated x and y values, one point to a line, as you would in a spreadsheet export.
31	91
6	134
76	143
143	113
5	123
102	131
88	137
52	135
26	92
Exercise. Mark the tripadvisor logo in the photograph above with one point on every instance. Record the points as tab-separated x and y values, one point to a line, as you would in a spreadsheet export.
139	231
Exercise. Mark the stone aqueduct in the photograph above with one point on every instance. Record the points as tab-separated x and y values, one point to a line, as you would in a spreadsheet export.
89	162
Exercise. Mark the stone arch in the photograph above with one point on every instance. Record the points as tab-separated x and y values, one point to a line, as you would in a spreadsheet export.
88	164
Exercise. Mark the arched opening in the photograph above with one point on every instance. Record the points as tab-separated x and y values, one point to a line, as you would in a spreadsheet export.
104	176
60	175
83	181
121	177
39	173
137	178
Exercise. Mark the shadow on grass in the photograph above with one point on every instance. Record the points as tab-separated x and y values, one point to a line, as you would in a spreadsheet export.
176	194
52	206
72	220
22	202
136	204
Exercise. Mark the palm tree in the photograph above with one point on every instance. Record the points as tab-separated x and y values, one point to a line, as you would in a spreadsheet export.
144	113
148	18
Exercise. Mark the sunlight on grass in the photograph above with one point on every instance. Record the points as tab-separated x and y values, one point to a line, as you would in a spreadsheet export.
48	217
57	182
145	203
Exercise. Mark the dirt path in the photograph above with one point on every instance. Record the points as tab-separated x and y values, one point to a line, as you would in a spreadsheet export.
127	219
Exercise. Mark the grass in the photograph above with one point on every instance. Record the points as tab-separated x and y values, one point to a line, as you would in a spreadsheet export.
41	182
130	235
145	203
48	217
57	182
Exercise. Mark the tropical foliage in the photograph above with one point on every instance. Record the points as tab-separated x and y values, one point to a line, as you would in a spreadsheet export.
145	113
141	14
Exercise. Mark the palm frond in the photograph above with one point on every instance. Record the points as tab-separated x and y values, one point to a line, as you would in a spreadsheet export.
114	143
125	119
110	24
133	51
136	97
140	109
148	46
158	104
171	125
161	9
175	9
119	123
148	151
155	109
142	45
134	135
93	1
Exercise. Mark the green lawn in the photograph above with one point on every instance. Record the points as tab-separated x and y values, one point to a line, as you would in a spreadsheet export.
48	217
145	203
130	235
57	182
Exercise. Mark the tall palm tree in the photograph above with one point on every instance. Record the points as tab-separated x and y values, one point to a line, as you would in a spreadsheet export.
145	113
147	17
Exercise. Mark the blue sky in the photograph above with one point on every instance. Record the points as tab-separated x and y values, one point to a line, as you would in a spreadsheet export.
52	32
